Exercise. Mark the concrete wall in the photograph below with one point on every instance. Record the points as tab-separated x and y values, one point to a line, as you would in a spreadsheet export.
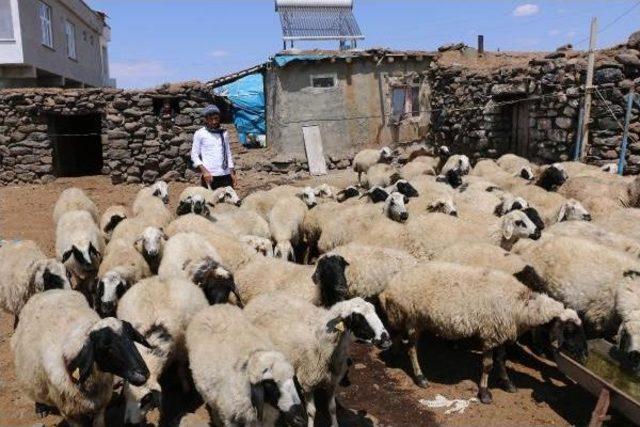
87	68
10	47
350	115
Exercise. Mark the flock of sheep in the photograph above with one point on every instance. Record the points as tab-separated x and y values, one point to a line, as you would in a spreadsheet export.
258	300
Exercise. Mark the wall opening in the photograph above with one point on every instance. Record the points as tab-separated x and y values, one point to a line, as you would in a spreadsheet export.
520	132
77	144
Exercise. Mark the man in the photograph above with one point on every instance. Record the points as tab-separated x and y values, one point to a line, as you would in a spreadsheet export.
211	153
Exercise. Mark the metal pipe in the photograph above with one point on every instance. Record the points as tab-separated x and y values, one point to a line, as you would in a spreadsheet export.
625	135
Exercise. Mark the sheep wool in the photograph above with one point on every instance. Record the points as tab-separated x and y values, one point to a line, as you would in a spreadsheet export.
111	217
74	199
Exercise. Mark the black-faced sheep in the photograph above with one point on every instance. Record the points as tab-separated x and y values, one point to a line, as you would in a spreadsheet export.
158	189
111	217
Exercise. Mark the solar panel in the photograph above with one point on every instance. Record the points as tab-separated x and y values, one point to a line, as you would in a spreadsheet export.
318	20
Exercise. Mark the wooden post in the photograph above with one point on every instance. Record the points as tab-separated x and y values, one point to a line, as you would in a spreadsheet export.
588	88
599	414
480	44
577	151
625	134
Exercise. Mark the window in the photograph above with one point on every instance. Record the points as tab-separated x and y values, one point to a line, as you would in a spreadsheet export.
45	25
405	102
323	80
6	23
70	34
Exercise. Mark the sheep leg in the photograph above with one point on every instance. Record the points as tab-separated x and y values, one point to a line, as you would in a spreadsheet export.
501	368
332	409
311	408
98	420
183	374
413	356
483	390
15	321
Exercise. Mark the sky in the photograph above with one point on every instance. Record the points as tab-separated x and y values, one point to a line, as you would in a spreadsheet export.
158	41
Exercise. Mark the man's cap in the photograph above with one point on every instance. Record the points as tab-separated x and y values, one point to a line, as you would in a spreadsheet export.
210	110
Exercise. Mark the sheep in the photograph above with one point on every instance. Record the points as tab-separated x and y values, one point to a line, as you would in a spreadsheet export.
598	282
158	189
483	255
312	225
381	175
191	256
111	217
316	340
420	154
25	271
367	273
244	222
552	177
74	199
262	202
261	245
236	369
148	241
426	184
475	204
433	202
517	165
490	170
552	206
458	163
211	197
365	159
626	194
193	204
403	187
161	310
153	212
326	192
122	266
508	203
79	246
459	302
285	219
575	168
233	252
419	166
622	221
601	208
597	234
347	194
65	356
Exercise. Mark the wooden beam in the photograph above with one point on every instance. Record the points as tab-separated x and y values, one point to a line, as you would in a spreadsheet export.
589	87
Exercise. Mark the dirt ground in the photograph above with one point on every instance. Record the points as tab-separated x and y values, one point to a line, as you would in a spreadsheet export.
381	392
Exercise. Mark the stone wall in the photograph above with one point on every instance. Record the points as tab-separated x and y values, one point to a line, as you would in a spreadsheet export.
473	111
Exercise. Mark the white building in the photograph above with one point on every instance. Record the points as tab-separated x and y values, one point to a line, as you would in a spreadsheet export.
61	43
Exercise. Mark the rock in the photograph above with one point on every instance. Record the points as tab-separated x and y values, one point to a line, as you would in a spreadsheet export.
133	112
120	103
131	126
451	46
634	41
182	120
628	59
608	75
115	119
564	122
172	175
149	176
117	134
511	89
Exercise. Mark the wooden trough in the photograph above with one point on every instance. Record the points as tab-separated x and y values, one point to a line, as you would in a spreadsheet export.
608	394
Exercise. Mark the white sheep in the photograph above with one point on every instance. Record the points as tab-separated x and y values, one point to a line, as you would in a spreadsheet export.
381	175
460	302
25	271
483	255
261	245
122	266
160	309
518	166
490	170
158	189
236	370
262	202
458	163
622	221
365	159
65	356
316	340
597	234
80	246
153	212
74	199
312	225
212	198
285	219
244	222
367	272
111	217
625	193
233	252
552	206
423	165
600	283
148	241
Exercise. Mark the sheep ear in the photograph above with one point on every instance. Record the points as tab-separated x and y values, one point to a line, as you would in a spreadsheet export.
257	399
507	229
183	208
93	251
157	192
556	337
67	255
134	335
139	244
563	212
336	325
80	366
77	254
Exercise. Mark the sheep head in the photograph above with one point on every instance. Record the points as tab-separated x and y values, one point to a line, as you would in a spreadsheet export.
516	225
394	207
360	319
51	274
572	210
308	196
161	191
329	275
150	244
214	279
82	259
229	195
110	289
347	193
443	205
385	154
261	245
284	250
552	177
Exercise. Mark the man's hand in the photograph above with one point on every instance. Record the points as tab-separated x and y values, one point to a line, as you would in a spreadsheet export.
206	175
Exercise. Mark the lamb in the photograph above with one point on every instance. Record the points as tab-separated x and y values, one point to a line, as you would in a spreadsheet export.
365	159
211	197
79	245
598	282
597	234
65	356
316	340
74	199
233	252
285	220
459	302
236	369
148	241
121	267
381	175
159	189
161	310
517	165
244	222
367	272
111	217
191	256
25	271
152	211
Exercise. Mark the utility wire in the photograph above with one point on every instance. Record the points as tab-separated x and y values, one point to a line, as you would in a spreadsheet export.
610	24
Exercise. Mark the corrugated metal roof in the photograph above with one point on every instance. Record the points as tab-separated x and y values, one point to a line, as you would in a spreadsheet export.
318	23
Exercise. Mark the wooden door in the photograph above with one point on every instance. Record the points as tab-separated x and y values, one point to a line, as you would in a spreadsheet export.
520	137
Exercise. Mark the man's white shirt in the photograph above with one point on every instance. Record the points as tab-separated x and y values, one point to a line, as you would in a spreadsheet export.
207	151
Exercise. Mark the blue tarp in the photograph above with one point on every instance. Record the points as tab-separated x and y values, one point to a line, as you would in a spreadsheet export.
247	97
282	60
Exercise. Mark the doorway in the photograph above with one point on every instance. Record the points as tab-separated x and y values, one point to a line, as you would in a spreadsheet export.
520	132
77	144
